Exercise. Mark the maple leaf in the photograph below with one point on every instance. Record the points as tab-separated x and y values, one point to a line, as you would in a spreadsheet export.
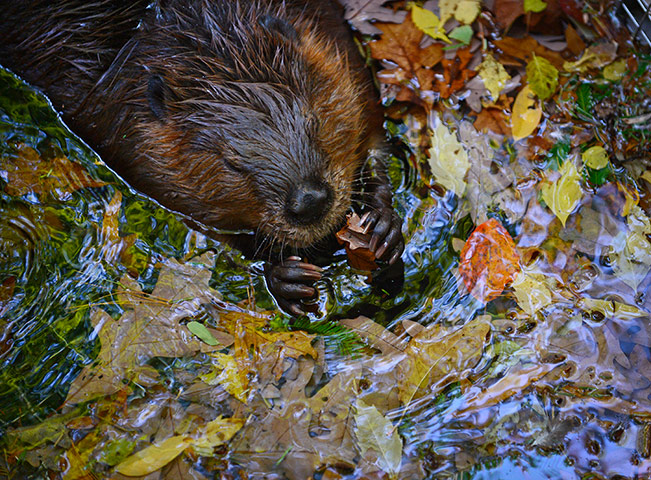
401	44
488	261
28	172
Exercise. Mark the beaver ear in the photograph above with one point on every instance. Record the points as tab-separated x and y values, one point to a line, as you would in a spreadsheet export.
275	24
156	93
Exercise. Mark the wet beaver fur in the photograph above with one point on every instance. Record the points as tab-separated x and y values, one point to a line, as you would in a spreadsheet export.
252	116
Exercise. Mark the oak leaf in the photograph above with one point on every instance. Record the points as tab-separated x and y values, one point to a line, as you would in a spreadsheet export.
488	261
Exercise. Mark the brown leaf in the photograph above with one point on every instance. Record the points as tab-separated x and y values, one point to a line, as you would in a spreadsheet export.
363	13
574	41
401	44
28	172
356	241
548	21
493	119
455	74
519	51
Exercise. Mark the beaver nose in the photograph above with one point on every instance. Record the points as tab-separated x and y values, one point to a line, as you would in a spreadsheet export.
308	203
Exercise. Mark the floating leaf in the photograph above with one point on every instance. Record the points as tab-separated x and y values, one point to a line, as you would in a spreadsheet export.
153	457
488	261
448	159
202	332
429	23
542	76
564	194
595	157
376	433
494	75
534	5
526	114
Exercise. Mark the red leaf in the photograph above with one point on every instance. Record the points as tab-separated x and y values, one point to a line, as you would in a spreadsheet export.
489	261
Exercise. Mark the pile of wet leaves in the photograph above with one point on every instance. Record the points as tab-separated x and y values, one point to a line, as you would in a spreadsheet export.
520	341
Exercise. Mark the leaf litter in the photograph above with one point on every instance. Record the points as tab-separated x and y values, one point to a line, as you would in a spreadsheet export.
550	316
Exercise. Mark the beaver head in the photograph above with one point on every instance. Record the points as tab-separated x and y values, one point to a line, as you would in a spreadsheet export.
256	119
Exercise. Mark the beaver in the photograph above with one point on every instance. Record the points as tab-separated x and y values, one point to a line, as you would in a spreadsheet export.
256	117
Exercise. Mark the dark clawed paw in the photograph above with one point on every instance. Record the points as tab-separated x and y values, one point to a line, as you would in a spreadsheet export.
292	284
385	227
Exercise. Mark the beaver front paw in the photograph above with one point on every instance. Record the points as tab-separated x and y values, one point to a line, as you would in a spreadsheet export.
385	226
291	282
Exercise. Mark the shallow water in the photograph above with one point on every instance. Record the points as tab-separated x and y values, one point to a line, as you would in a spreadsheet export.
63	255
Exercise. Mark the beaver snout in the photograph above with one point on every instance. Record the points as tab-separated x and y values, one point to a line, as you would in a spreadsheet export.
308	203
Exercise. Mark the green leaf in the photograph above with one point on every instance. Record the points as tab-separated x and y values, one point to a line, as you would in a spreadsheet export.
534	6
462	34
543	77
202	332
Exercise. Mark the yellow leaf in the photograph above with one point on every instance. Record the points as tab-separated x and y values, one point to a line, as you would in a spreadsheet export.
616	70
595	157
564	194
464	11
611	308
435	357
429	23
375	432
647	176
526	114
153	457
494	75
215	433
448	159
227	374
531	291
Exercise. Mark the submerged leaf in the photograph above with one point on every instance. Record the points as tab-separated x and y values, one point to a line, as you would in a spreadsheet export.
563	196
448	159
531	291
543	77
488	261
376	433
526	114
153	457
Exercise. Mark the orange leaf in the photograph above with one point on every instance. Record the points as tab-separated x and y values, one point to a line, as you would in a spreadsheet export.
489	261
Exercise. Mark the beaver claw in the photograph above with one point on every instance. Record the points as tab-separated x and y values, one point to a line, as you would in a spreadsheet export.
386	243
292	284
